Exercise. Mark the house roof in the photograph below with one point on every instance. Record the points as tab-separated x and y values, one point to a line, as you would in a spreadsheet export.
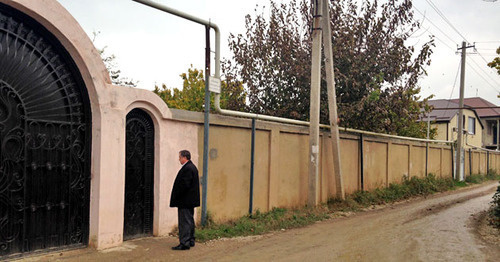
474	102
448	114
442	115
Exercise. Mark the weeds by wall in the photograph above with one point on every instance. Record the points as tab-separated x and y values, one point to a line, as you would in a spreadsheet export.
283	218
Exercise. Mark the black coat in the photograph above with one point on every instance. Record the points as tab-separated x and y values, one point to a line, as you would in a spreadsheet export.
186	190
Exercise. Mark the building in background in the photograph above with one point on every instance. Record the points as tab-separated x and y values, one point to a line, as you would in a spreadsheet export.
446	122
489	116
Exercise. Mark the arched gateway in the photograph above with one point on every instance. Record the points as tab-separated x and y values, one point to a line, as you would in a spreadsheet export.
45	133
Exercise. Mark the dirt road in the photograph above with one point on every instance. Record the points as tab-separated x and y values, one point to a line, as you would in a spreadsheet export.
438	228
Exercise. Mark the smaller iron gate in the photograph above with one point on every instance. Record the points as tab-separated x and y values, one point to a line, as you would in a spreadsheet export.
139	175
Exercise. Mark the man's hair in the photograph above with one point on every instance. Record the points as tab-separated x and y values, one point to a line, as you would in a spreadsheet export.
186	154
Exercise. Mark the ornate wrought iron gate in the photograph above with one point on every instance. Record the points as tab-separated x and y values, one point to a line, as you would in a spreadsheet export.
139	174
44	140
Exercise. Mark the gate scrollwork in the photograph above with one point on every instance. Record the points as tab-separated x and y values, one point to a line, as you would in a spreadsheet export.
44	140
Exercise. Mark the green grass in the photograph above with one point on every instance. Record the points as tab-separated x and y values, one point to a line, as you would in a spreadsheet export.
283	218
258	223
477	178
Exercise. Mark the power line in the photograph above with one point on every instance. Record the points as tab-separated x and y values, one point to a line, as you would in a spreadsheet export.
486	73
480	75
487	42
480	55
441	14
444	43
424	17
486	49
454	84
458	32
444	18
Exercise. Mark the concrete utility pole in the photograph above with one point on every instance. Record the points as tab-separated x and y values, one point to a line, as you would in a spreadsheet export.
313	192
321	31
332	100
458	162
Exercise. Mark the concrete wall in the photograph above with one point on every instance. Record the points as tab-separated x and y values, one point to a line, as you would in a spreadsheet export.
478	161
281	163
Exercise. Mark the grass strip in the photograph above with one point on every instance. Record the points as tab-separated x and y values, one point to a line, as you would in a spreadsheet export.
284	218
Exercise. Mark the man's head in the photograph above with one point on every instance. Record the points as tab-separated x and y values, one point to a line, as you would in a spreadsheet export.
184	156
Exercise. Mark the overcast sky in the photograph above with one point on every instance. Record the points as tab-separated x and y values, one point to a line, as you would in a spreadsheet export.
154	47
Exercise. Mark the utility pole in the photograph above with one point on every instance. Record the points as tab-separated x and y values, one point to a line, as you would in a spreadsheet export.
321	31
313	192
332	100
459	171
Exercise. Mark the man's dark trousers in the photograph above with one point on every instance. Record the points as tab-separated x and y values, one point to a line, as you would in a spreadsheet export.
186	226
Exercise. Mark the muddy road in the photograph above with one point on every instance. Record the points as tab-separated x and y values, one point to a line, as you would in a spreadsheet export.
437	228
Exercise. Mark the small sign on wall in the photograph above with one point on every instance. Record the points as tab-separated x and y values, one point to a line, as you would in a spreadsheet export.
214	84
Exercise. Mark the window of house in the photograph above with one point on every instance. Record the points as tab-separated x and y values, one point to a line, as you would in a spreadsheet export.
472	125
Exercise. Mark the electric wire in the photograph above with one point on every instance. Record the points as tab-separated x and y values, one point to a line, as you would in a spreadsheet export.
445	19
486	73
444	43
432	23
480	75
456	78
458	32
480	55
453	89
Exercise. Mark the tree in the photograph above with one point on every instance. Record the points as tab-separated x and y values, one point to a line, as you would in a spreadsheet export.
112	67
496	62
376	73
192	95
114	72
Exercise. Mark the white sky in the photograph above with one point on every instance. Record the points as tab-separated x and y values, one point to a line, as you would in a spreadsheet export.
156	47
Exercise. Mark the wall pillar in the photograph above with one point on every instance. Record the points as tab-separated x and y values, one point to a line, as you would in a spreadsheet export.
409	161
441	162
274	168
108	180
389	143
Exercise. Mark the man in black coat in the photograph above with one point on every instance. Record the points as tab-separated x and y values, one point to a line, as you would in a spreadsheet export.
186	196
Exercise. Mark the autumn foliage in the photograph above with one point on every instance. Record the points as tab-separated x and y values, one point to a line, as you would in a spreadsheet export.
376	71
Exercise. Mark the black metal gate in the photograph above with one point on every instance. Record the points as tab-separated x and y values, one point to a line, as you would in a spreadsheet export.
44	140
139	174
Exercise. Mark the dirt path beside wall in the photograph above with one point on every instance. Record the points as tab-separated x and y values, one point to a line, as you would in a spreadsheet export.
440	228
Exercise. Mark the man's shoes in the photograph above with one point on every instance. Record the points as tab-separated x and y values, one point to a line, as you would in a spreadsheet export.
191	244
181	247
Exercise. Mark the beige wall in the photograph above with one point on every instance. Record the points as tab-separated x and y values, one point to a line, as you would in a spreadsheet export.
281	167
478	161
443	131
